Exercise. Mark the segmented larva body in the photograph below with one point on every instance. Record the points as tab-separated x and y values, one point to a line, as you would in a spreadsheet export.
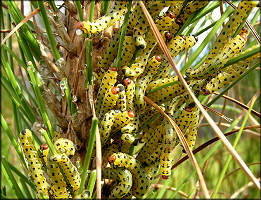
210	69
147	115
139	31
142	82
110	100
229	74
133	17
65	146
152	170
116	13
129	91
166	94
110	52
188	124
163	24
98	73
191	7
58	185
34	164
132	127
155	156
161	82
140	178
122	119
154	7
151	143
108	81
128	49
122	100
129	138
168	144
69	170
174	104
124	179
45	151
57	135
231	26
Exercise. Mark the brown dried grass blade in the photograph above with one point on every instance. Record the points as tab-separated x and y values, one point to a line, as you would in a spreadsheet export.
20	24
185	145
240	104
219	133
217	113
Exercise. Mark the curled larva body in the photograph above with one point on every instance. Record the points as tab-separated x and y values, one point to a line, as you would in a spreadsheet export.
129	91
122	100
65	146
108	81
228	74
231	26
132	127
128	50
188	124
161	82
34	164
116	13
211	68
98	73
69	170
152	170
140	178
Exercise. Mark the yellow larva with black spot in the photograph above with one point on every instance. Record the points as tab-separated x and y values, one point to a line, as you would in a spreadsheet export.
58	184
210	69
191	7
188	124
110	100
129	91
122	119
152	170
34	164
229	73
108	81
132	127
130	139
122	100
139	176
69	170
124	179
151	143
154	7
146	77
45	151
98	73
65	146
231	26
116	13
160	82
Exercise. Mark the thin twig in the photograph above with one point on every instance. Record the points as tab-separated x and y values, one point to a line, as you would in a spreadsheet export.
159	186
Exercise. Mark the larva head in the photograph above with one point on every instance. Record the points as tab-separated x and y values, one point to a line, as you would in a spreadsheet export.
168	36
158	58
44	147
129	33
165	176
112	158
244	30
243	36
131	114
126	81
179	21
188	109
97	70
205	91
26	132
79	28
115	90
113	69
170	14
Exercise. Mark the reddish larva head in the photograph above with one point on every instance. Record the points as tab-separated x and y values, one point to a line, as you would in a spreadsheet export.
115	90
205	90
168	36
112	158
170	14
97	70
131	114
44	147
243	36
126	81
178	21
158	58
188	82
183	37
244	30
188	109
79	25
113	69
165	177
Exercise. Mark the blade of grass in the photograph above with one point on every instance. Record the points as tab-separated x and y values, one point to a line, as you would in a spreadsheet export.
91	182
225	167
48	141
48	30
105	5
123	31
79	10
88	154
10	178
11	52
52	3
203	111
36	88
13	140
25	190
